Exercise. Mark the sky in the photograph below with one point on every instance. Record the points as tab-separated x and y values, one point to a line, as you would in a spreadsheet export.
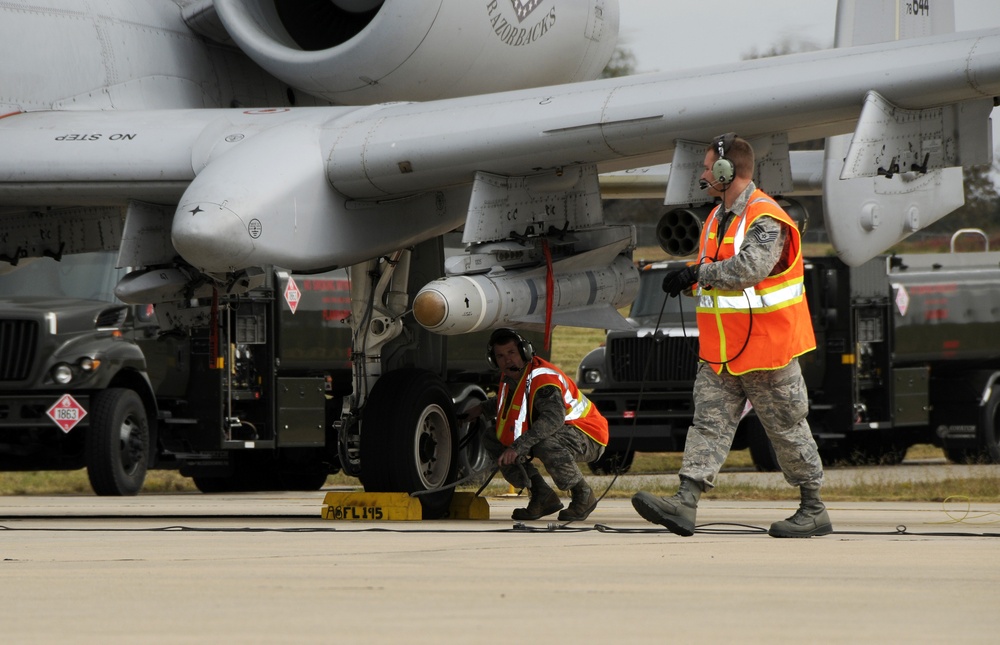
667	35
673	34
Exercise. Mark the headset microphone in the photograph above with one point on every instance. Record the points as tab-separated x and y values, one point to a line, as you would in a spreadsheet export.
705	185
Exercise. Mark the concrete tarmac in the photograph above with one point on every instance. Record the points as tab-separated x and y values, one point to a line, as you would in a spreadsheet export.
265	568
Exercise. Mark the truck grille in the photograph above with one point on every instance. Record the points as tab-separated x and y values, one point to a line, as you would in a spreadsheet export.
670	358
18	339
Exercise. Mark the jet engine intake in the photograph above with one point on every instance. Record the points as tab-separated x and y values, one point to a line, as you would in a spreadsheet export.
357	52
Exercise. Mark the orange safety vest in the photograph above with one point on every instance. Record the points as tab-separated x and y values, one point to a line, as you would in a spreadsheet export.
774	313
514	409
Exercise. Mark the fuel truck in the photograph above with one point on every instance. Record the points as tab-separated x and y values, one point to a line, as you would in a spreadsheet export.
248	399
907	351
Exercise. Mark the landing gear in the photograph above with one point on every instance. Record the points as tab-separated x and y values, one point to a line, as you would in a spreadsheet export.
472	454
408	439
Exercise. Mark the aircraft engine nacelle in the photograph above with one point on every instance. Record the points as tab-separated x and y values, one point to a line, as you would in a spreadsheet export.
357	52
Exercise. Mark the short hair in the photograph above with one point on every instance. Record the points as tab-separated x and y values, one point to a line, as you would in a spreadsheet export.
740	154
505	335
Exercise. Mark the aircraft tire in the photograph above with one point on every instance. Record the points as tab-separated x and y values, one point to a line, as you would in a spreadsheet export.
408	441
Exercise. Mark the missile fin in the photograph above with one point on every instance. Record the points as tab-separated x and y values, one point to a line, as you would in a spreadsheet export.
596	317
599	257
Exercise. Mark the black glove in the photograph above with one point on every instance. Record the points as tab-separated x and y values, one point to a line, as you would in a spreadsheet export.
678	280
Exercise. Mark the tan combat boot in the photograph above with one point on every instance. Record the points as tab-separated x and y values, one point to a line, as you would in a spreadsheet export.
810	520
677	513
582	504
543	501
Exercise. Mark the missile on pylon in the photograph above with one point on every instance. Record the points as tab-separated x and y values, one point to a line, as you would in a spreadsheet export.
585	294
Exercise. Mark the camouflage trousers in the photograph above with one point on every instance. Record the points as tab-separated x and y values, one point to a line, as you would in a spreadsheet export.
781	402
559	453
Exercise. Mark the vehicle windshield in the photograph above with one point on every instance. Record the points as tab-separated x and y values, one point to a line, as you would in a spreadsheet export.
89	276
649	301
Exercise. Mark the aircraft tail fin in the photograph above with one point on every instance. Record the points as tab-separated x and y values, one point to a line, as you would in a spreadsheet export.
867	22
897	173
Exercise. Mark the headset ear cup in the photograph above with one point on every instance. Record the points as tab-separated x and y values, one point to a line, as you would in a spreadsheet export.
723	171
526	349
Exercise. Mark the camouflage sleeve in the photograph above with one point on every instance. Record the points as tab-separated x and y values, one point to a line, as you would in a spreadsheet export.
759	253
548	415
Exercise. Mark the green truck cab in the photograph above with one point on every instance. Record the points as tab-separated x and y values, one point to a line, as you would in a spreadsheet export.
251	399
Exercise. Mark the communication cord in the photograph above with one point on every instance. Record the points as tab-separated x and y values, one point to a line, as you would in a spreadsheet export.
628	447
518	527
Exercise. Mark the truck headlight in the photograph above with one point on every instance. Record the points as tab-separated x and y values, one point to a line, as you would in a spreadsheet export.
591	376
62	373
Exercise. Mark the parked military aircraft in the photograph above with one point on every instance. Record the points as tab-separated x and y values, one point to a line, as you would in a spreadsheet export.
209	138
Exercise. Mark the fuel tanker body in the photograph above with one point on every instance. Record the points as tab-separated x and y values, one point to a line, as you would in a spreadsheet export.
907	352
946	321
947	309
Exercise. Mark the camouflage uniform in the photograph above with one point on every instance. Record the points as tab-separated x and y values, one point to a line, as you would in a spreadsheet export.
778	396
780	400
549	439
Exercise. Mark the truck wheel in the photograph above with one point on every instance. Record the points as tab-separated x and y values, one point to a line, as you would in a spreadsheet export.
408	438
117	444
761	450
961	451
875	451
612	462
987	435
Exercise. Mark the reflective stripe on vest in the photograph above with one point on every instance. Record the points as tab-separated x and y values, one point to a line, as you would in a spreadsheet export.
513	421
775	298
776	306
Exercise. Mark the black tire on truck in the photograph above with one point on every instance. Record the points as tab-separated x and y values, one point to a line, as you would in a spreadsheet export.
761	450
408	438
961	451
117	445
988	428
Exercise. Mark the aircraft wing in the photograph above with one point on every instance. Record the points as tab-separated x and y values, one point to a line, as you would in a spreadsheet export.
274	166
650	182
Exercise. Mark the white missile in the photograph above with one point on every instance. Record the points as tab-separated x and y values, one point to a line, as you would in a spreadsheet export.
582	297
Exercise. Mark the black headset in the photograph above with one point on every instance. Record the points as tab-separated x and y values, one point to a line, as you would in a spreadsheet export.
723	169
505	335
